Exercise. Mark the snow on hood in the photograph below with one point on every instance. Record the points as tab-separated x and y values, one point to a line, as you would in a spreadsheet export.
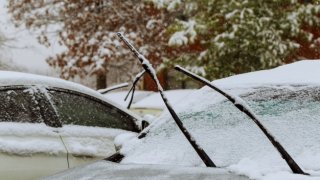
301	72
231	139
115	171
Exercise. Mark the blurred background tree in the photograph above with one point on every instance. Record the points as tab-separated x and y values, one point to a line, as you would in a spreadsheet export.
213	38
5	62
242	36
88	29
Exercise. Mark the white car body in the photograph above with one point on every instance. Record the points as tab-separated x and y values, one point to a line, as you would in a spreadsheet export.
30	150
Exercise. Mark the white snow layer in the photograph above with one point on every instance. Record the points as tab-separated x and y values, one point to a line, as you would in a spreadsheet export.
28	139
286	101
301	72
8	78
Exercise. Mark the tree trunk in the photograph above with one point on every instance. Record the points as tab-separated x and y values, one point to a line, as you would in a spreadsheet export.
101	81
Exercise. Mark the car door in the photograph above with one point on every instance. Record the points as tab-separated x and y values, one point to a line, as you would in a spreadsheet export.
29	148
89	125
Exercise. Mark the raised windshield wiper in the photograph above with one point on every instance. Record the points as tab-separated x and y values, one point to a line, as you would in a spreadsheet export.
241	105
150	70
106	90
133	87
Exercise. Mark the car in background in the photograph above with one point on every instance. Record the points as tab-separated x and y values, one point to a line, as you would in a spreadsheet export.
286	99
147	102
48	125
119	97
153	104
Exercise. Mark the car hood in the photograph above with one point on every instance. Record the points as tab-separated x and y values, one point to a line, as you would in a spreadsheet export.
109	170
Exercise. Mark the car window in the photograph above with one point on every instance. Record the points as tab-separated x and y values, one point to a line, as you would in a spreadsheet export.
19	105
228	135
81	110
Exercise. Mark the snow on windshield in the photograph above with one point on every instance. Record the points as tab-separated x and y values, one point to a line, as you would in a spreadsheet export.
290	111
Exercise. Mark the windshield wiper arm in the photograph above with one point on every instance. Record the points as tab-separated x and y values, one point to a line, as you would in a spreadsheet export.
133	87
240	104
150	70
106	90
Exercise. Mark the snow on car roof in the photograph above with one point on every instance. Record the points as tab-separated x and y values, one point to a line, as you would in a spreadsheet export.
10	78
155	100
301	72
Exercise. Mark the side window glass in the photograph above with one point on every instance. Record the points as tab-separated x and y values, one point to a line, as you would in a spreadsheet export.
19	105
80	110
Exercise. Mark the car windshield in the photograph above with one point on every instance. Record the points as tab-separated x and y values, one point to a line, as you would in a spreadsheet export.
230	138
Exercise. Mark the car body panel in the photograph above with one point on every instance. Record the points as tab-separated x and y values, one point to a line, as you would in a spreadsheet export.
147	111
30	156
31	167
115	171
84	147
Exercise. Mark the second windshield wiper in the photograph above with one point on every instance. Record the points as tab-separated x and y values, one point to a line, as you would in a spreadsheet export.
241	105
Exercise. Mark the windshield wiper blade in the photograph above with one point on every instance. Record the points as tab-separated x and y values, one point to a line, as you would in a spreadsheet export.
106	90
241	105
133	87
150	70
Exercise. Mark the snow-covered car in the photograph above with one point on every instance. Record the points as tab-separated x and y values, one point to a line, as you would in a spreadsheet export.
286	99
119	97
48	125
153	104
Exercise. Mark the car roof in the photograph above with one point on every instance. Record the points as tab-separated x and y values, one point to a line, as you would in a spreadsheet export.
11	78
298	73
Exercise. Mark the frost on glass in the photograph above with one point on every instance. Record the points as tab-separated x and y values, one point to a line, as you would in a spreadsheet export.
291	114
80	110
19	105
